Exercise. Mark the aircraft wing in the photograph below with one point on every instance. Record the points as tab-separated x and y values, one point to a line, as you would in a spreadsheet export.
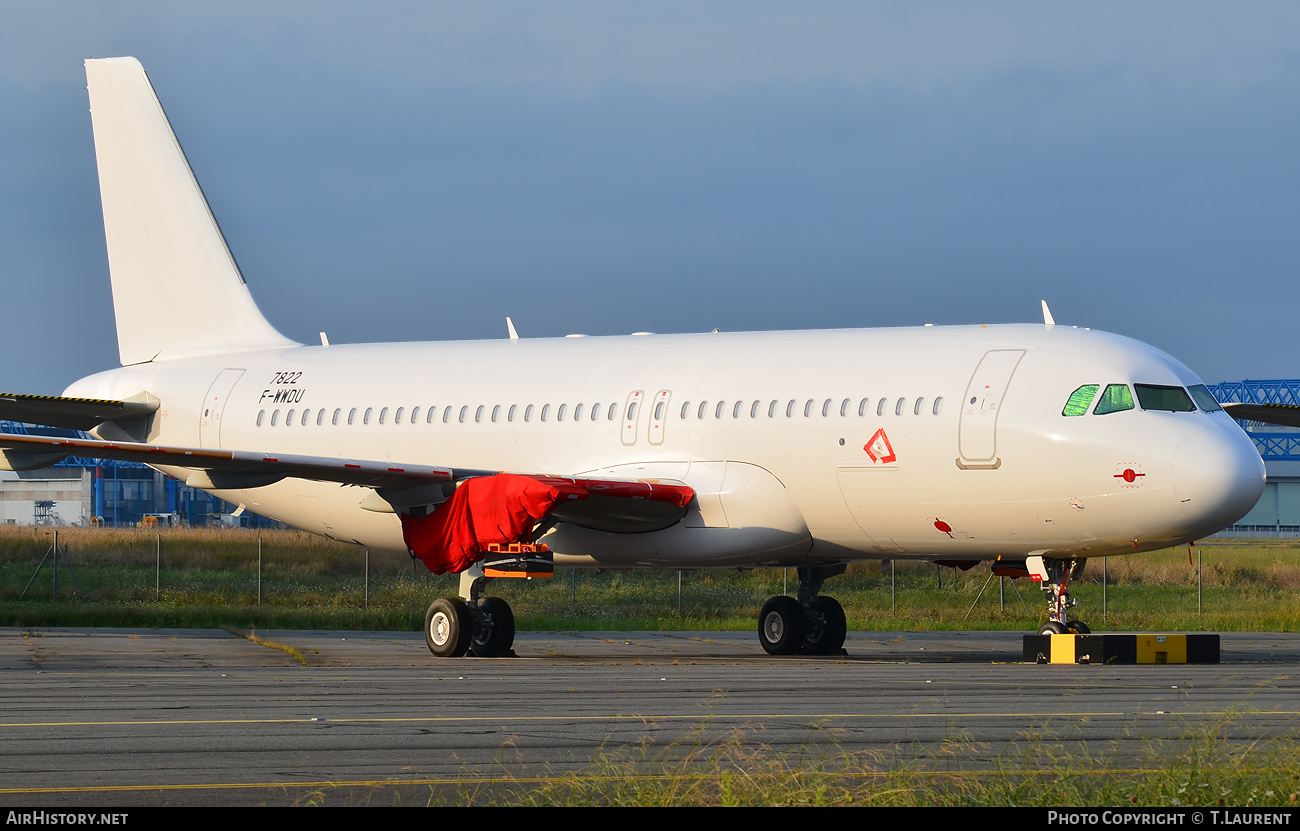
620	505
1284	415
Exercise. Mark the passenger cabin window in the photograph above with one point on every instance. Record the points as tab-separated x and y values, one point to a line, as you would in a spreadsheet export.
880	407
789	409
686	405
1080	400
496	412
916	408
528	413
275	416
771	409
826	408
306	414
478	414
862	406
397	416
704	408
288	419
433	411
335	420
807	408
559	414
415	414
320	416
383	415
365	419
464	413
1204	399
898	408
595	411
352	415
613	411
260	414
446	414
753	409
1165	399
577	412
844	407
546	411
1115	398
510	416
659	412
717	411
938	405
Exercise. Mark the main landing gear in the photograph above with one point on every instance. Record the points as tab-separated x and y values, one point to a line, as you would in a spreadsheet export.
813	624
484	626
1054	576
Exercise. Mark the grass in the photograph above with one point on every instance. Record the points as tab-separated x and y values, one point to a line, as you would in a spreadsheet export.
209	578
1203	769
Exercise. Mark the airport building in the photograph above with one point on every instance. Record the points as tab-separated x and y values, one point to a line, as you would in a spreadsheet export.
86	492
1277	514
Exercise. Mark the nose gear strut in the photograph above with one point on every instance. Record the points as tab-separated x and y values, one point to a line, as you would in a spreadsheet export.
1054	576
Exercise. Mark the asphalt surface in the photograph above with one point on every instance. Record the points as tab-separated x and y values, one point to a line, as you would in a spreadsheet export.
205	717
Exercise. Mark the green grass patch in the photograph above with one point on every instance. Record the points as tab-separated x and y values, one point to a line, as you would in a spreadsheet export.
209	578
1215	765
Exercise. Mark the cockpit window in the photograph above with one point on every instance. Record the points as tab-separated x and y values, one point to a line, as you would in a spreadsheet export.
1080	399
1204	398
1168	399
1115	398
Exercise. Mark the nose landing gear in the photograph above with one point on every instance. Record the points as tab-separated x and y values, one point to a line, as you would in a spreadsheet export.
813	624
1054	575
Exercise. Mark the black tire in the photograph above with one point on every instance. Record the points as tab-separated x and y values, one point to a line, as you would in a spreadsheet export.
827	628
781	626
448	626
494	629
1052	628
1078	627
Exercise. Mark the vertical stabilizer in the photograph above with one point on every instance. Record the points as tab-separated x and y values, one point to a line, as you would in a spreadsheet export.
177	291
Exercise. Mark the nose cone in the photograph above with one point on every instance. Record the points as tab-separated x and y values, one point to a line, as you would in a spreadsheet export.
1218	476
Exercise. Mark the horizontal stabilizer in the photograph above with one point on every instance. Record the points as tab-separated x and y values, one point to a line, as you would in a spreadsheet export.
1283	415
70	413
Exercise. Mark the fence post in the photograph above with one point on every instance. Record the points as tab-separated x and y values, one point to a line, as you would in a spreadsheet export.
259	569
157	574
367	579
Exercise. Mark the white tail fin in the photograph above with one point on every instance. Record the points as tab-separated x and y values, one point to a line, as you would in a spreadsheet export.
177	291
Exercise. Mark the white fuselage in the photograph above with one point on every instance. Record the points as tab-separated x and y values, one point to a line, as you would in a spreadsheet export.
777	482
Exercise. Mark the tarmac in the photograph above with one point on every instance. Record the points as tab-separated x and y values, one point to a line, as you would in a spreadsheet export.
117	717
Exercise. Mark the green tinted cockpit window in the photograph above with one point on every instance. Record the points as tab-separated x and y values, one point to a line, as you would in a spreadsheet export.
1080	399
1204	398
1114	398
1168	399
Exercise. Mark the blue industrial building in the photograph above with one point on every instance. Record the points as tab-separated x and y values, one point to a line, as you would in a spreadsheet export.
84	492
1278	511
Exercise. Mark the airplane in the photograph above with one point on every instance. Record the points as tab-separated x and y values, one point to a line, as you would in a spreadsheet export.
1033	447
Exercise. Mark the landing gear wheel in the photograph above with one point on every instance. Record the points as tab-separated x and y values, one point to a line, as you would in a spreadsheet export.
781	626
1052	628
448	626
494	629
1078	627
827	627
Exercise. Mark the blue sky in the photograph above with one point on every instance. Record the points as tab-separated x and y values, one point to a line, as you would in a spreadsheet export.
413	171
